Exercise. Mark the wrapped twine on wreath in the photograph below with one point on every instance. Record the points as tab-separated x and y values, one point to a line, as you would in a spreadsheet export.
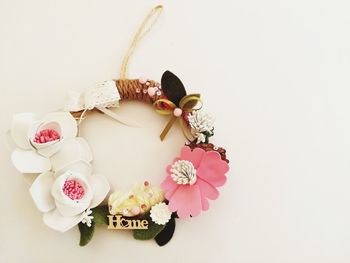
133	89
147	91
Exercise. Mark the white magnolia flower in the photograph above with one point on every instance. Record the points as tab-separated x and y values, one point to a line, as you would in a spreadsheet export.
34	140
201	124
65	197
160	213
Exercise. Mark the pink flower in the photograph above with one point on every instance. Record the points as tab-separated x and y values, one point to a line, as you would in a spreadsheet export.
192	179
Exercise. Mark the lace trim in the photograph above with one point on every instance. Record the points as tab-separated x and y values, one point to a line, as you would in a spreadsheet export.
104	94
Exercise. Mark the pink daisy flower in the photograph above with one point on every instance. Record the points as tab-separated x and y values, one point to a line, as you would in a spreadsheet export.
192	179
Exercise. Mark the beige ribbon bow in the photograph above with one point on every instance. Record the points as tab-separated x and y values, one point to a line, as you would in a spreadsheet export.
167	107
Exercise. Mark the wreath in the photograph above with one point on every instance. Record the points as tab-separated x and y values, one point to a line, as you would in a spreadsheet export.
68	194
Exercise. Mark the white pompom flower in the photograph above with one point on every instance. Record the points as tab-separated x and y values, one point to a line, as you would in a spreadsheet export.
202	125
160	213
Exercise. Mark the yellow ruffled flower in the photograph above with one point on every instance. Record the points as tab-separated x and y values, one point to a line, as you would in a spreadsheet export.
138	201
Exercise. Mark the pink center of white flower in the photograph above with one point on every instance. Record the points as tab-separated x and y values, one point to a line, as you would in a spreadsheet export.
73	189
47	135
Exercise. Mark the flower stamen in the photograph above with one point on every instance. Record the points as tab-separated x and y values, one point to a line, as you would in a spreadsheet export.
183	172
47	135
73	189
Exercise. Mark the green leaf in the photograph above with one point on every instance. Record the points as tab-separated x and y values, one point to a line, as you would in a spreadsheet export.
167	233
86	233
150	233
100	215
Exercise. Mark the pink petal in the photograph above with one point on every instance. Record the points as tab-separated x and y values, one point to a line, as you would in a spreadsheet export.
212	169
207	190
169	187
195	156
169	166
205	203
186	201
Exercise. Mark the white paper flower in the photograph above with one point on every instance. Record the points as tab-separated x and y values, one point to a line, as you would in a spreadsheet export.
65	197
160	213
36	139
201	124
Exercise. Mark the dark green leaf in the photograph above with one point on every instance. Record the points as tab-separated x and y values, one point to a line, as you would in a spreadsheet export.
86	233
172	87
167	233
150	233
100	215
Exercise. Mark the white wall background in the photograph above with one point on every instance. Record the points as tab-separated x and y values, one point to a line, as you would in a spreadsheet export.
275	73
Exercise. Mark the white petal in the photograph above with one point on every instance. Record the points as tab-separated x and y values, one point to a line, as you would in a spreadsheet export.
65	205
9	142
85	149
30	162
51	149
56	221
72	210
100	188
21	124
41	192
72	151
67	123
81	167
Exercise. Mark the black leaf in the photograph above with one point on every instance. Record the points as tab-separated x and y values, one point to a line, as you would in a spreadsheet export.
172	87
167	233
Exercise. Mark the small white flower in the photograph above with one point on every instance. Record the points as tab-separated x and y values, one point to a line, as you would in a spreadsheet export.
183	172
200	137
87	218
200	123
160	213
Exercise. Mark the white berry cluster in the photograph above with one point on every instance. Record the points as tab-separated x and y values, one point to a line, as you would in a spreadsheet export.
202	125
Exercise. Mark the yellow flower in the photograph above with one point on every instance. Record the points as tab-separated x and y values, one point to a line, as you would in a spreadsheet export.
138	201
